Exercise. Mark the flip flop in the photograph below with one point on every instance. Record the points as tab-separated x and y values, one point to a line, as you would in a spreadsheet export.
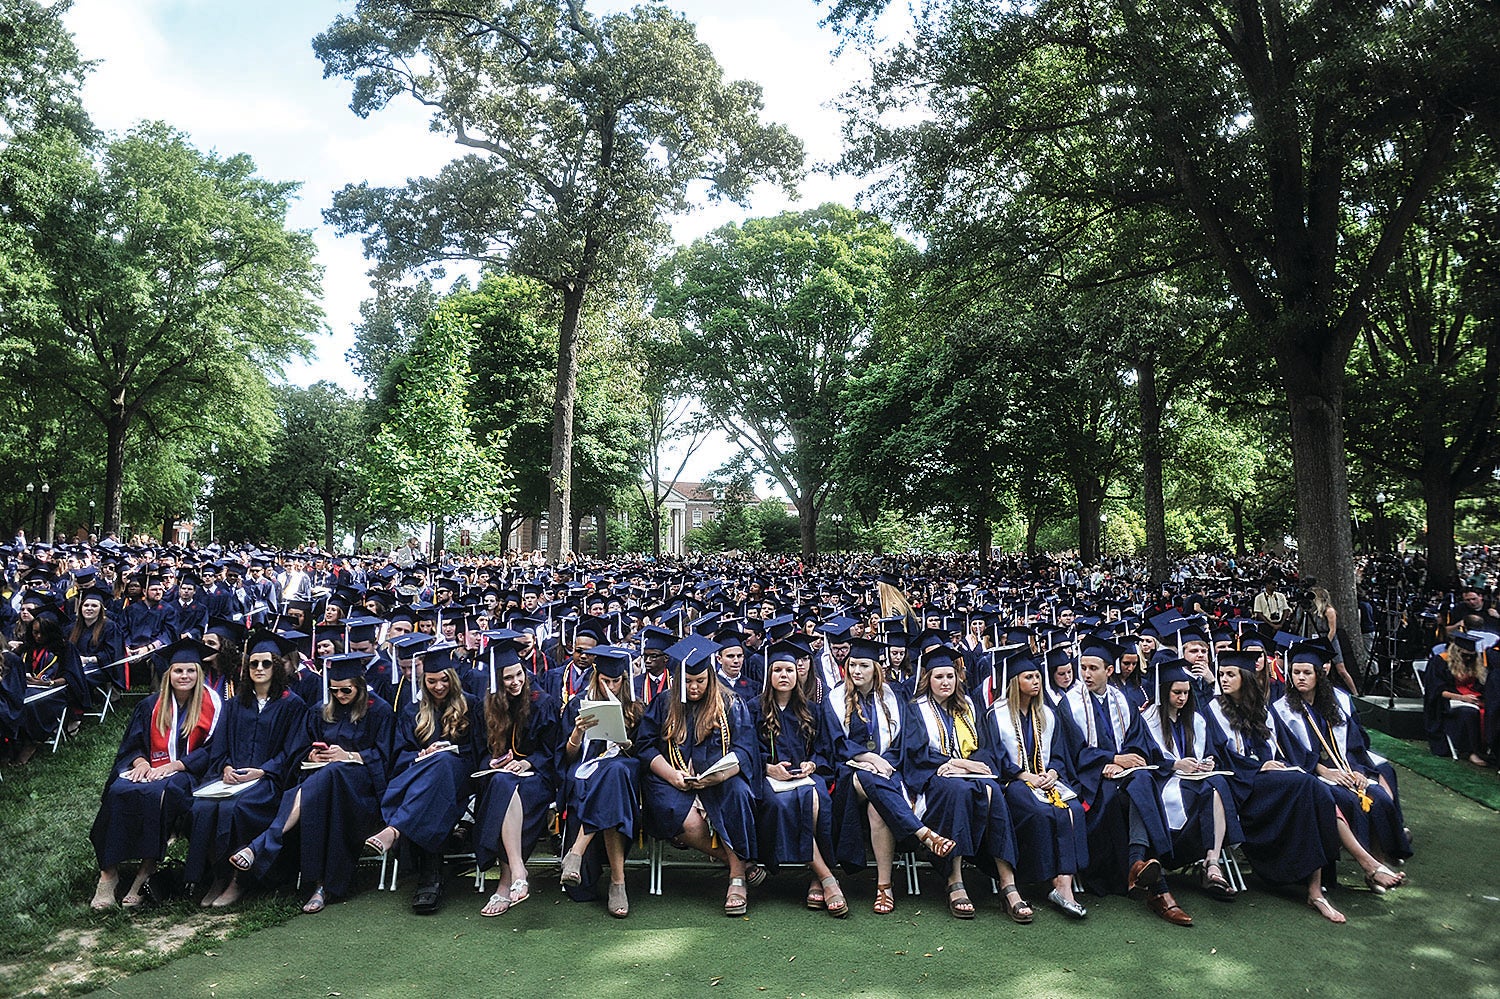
498	905
520	891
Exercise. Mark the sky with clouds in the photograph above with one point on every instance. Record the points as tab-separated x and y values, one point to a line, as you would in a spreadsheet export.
239	76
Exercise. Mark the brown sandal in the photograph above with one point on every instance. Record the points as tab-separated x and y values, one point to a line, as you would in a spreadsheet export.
1019	911
885	901
815	897
940	845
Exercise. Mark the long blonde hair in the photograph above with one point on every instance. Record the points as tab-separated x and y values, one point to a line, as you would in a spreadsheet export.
454	720
1013	698
188	716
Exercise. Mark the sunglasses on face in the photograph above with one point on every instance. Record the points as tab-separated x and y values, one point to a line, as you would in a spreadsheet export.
341	690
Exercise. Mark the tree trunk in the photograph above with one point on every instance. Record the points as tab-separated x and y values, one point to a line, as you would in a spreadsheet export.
1439	497
1151	471
328	506
984	537
49	517
601	527
560	503
359	536
439	536
507	524
1325	548
1087	493
167	521
807	526
1237	509
115	429
1033	525
656	531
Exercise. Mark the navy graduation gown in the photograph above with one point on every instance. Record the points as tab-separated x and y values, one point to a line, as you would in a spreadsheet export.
1291	830
970	811
1189	804
539	745
1382	825
135	820
1110	726
730	804
426	798
108	649
877	729
600	790
1051	840
273	739
785	824
339	802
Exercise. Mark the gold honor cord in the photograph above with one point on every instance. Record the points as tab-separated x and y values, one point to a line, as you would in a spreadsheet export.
1343	763
1034	762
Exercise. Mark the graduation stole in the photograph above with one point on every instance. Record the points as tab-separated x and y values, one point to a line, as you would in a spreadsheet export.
952	734
1079	701
1032	759
1239	740
163	745
42	662
1329	747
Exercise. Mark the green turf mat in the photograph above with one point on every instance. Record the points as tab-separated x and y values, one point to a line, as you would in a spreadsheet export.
1440	935
1480	784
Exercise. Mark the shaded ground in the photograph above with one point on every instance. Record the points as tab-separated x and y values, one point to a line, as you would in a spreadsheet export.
1441	936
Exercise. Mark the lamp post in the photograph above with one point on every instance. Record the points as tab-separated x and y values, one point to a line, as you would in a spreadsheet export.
1380	501
31	501
1103	522
93	529
838	530
44	529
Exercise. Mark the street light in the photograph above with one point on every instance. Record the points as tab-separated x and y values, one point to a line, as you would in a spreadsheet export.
92	524
1380	501
838	524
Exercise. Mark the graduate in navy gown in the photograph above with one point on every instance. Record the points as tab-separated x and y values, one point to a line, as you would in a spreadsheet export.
350	735
1199	806
655	677
521	724
52	667
795	820
960	796
440	742
1458	710
601	785
260	742
149	790
683	737
866	723
227	639
1131	680
97	640
1030	749
1126	823
1288	816
1323	727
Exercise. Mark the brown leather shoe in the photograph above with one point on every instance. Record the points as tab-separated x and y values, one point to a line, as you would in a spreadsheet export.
1143	874
1166	907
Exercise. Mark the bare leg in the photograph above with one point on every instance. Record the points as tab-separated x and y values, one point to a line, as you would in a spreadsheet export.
510	838
1064	885
614	848
1374	869
133	896
1316	899
581	844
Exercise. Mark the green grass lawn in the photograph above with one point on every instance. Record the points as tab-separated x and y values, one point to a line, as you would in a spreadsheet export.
1441	936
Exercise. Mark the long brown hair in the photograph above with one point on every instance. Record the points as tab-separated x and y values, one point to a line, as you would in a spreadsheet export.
505	715
958	703
1247	712
716	702
97	631
1322	700
770	716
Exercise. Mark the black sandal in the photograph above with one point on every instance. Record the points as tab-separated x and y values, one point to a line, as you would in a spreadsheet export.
1019	911
959	903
